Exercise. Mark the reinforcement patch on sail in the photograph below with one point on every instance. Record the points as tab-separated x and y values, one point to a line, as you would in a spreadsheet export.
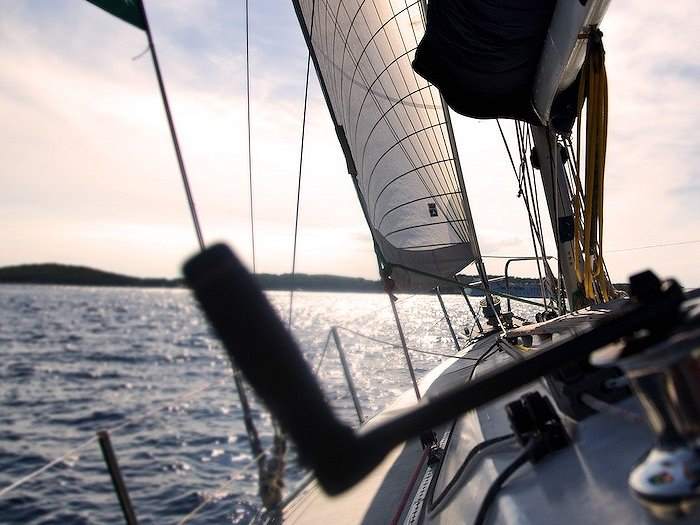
392	126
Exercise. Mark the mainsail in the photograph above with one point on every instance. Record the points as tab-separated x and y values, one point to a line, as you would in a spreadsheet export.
395	134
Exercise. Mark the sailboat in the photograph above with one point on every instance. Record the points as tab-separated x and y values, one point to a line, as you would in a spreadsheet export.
531	422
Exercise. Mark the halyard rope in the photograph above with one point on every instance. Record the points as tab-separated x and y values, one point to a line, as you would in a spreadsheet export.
301	163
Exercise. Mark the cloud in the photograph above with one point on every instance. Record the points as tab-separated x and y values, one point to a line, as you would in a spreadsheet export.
89	173
90	163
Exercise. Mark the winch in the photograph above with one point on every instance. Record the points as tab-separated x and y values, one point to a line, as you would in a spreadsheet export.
664	372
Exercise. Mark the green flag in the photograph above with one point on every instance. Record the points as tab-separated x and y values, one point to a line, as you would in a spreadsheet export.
127	10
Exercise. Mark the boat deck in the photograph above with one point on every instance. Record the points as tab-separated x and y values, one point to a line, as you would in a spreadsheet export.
581	484
379	498
572	322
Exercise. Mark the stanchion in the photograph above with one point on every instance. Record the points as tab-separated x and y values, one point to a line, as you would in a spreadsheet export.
117	480
447	318
348	375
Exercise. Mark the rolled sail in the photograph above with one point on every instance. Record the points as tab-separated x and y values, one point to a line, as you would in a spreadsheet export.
393	129
484	55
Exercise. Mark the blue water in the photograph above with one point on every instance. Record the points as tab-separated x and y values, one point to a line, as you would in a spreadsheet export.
76	360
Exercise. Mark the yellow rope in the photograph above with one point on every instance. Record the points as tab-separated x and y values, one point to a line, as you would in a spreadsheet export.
588	204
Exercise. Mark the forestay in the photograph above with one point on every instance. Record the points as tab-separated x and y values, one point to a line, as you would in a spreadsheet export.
394	132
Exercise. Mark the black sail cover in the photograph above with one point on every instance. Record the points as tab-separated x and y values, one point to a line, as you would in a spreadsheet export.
483	54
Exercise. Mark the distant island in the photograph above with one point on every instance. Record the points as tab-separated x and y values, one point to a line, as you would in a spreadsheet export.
75	275
63	274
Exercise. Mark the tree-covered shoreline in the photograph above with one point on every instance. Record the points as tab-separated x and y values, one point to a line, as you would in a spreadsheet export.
69	275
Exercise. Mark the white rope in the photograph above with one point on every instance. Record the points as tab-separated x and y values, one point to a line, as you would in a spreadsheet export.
46	467
301	164
187	395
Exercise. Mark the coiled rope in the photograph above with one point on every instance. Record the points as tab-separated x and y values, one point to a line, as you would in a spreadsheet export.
588	236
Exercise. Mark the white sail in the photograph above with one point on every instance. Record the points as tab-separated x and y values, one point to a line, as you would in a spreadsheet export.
393	129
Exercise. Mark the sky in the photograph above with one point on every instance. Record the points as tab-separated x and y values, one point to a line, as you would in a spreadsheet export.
88	173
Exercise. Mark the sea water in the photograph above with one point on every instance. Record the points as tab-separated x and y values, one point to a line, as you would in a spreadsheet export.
143	364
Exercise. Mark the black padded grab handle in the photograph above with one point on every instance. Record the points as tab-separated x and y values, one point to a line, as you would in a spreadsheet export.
258	344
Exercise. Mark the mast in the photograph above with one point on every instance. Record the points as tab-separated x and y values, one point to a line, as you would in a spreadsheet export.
561	213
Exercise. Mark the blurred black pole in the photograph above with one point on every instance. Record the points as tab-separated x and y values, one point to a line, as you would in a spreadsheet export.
117	480
250	429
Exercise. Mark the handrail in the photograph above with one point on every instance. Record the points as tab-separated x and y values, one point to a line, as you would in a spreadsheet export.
491	280
505	272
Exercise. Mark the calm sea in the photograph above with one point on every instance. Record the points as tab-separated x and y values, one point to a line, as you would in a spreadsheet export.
142	361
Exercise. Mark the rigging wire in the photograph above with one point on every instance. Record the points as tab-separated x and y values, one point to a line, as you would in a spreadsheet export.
270	465
141	54
250	156
173	132
318	366
394	345
556	195
535	229
525	181
526	190
649	246
250	428
252	434
301	162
